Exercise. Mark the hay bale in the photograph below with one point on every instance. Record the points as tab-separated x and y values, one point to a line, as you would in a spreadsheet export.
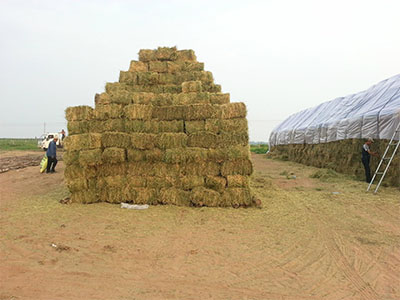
138	66
188	182
236	197
109	111
90	157
78	113
141	155
76	185
186	55
159	169
154	126
168	113
142	97
238	125
201	196
203	139
85	197
195	126
113	125
233	110
138	112
191	98
168	140
168	78
158	66
136	181
116	139
77	127
82	141
157	182
217	183
128	77
143	140
170	126
236	152
114	155
71	157
237	181
184	155
219	98
113	195
110	169
166	53
145	196
135	155
175	196
146	55
237	167
211	88
163	99
148	78
199	112
233	138
192	86
201	168
102	99
117	181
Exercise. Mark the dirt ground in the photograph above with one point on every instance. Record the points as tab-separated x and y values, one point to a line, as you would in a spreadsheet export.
313	239
19	159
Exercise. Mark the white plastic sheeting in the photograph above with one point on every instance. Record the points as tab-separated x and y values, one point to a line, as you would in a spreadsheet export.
372	113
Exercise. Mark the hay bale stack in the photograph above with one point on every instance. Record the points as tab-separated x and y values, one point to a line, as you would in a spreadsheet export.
343	156
163	134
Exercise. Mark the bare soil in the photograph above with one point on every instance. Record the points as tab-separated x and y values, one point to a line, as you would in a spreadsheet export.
312	239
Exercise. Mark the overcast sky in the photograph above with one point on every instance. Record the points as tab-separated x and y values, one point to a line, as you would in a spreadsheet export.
277	56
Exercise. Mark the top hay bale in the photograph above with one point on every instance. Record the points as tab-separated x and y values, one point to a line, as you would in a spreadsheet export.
166	54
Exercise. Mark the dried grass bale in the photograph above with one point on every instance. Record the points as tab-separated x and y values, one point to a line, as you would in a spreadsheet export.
184	155
148	78
163	99
201	168
233	110
113	125
157	182
237	125
201	196
166	53
85	197
175	196
159	169
192	86
217	183
145	196
90	157
233	138
146	55
236	152
237	181
187	182
169	140
114	155
195	126
110	169
158	66
236	197
116	139
78	113
109	111
142	97
138	112
71	157
102	99
138	66
136	181
128	77
199	112
169	113
191	98
141	155
237	167
77	127
203	139
143	140
186	55
82	141
75	185
76	171
219	98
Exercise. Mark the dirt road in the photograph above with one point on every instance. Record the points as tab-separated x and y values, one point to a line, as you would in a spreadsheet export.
313	239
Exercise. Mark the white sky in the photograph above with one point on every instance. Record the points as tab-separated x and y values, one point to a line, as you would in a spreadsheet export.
277	56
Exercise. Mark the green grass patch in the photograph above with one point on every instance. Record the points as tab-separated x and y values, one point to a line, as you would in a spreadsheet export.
259	149
18	144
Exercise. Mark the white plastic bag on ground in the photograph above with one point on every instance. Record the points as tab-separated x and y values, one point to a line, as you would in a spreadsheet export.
134	206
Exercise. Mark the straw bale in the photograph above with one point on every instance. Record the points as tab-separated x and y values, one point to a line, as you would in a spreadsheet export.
162	99
116	139
142	97
191	98
116	87
158	66
148	78
217	183
237	167
203	139
146	55
201	168
138	66
138	112
82	141
114	125
194	126
141	155
157	182
145	196
236	197
109	111
135	155
71	157
117	181
211	88
169	140
77	127
102	99
75	185
184	155
113	195
114	155
168	78
237	181
186	55
160	169
238	125
128	77
219	98
90	157
78	113
169	113
233	110
136	181
188	182
229	153
175	196
184	66
166	53
170	126
192	86
109	169
233	138
85	197
201	196
199	112
143	140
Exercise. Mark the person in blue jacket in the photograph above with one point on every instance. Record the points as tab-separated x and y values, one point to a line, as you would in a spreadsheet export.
52	155
365	157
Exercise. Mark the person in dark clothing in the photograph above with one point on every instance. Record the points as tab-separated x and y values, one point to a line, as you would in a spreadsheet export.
52	156
365	157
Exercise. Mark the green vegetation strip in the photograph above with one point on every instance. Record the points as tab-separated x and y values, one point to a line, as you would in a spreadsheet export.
18	144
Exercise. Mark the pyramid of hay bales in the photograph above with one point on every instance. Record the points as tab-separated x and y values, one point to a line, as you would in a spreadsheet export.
163	134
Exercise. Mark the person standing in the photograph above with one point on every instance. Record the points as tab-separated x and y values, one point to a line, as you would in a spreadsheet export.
365	158
52	155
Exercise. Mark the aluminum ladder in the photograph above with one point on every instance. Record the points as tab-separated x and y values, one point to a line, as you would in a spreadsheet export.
392	143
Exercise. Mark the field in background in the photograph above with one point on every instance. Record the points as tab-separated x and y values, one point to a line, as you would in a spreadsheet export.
319	235
18	144
259	148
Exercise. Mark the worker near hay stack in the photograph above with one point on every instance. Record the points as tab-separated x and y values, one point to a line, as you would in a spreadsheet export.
365	157
52	155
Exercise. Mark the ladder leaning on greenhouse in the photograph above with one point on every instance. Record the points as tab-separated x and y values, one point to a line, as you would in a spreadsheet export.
387	159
